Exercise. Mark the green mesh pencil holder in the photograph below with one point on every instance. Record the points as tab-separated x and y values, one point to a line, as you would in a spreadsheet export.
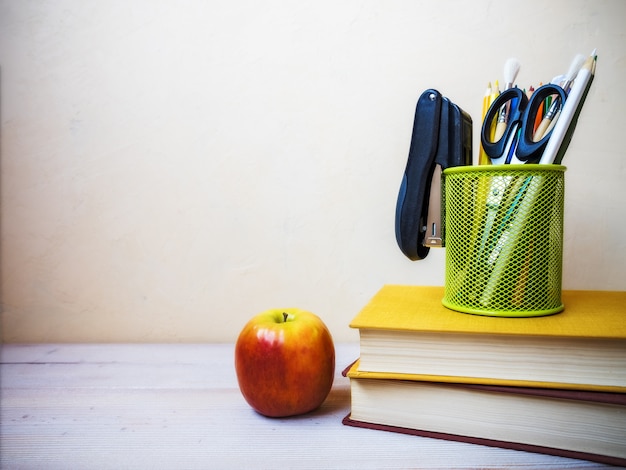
503	232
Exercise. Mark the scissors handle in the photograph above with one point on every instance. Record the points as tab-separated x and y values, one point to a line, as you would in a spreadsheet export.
529	150
516	101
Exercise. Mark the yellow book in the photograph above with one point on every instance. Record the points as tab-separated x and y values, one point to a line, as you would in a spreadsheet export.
406	330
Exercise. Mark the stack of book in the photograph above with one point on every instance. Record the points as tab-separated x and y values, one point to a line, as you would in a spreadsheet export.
553	384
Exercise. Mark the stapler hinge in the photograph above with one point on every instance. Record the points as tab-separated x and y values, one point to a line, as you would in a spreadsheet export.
433	236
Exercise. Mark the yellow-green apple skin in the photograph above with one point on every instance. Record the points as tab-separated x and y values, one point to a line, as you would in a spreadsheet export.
285	362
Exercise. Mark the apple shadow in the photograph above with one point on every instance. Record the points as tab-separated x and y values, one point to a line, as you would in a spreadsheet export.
337	404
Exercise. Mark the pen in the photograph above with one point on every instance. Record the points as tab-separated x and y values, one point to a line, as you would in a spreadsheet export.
564	128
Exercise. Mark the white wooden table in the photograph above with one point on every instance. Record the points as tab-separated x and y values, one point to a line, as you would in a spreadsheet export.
137	406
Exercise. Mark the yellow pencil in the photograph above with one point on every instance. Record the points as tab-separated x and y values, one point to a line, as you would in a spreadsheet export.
495	93
483	159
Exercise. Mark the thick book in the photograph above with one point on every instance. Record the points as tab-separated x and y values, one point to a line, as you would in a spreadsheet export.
567	423
407	330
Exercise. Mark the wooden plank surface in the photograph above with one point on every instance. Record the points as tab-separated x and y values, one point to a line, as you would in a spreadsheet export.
136	406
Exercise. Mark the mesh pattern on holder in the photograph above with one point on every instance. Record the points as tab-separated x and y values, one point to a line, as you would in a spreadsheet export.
503	235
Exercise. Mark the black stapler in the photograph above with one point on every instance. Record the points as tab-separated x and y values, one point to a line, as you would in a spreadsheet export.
442	138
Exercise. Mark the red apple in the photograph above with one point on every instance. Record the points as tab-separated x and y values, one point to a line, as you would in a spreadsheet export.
285	362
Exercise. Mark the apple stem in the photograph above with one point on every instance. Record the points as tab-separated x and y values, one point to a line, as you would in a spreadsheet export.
285	316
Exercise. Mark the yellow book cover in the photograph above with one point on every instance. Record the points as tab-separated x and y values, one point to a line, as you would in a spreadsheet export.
406	330
354	372
591	314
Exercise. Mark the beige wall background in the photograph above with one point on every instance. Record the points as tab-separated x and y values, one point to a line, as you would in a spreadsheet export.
170	168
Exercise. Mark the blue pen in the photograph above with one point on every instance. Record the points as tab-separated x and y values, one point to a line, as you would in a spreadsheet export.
513	147
510	158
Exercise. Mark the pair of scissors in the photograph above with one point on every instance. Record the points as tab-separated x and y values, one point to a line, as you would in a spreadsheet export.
517	144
